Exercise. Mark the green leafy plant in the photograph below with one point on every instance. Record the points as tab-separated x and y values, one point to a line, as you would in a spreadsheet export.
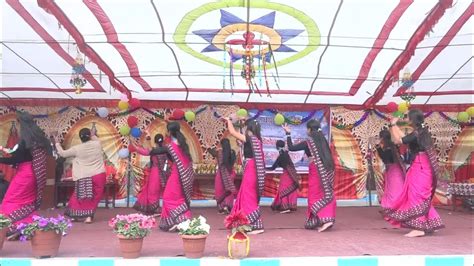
195	226
60	225
4	222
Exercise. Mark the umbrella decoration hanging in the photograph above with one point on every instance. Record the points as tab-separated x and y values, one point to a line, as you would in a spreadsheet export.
77	79
407	84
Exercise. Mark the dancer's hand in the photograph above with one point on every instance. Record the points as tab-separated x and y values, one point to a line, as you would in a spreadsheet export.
394	121
286	128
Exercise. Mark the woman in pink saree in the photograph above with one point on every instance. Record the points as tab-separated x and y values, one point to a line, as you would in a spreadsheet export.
179	187
24	194
321	213
394	174
148	200
251	188
413	209
287	195
224	181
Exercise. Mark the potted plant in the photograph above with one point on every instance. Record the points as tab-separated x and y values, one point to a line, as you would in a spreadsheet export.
194	233
238	244
5	223
45	234
130	230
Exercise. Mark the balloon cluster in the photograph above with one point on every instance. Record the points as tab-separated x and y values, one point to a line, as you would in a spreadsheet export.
466	116
131	128
398	110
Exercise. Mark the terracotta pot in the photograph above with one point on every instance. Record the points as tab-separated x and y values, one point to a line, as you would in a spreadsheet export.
194	245
238	247
45	244
3	236
130	247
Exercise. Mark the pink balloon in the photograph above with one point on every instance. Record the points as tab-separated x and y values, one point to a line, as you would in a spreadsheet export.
124	98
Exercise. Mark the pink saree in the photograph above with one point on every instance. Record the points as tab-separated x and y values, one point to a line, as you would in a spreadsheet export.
251	187
224	185
394	178
321	200
86	197
178	190
287	195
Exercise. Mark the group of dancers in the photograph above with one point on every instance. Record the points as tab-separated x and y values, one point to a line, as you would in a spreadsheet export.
407	200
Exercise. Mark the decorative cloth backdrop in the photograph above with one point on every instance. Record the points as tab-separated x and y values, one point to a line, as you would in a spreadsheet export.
351	134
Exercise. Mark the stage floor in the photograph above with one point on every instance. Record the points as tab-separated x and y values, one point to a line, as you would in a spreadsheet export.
358	231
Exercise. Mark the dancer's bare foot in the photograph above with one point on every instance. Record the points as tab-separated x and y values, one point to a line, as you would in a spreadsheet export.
173	228
285	211
325	227
88	220
256	232
415	233
13	236
156	215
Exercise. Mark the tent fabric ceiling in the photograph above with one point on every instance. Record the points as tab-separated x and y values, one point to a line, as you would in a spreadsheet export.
326	52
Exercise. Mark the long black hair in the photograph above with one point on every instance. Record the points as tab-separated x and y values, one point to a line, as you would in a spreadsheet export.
386	138
159	140
174	128
417	120
254	127
85	134
227	153
31	134
321	143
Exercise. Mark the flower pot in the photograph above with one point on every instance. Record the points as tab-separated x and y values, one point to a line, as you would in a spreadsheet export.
130	247
45	244
194	245
3	235
238	245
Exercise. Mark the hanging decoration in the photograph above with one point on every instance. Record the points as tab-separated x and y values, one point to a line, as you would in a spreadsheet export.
470	111
392	107
77	79
103	112
132	121
463	117
123	105
134	103
407	84
135	132
124	130
190	116
279	119
403	107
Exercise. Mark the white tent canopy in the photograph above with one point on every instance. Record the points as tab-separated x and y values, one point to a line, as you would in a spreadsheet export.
315	52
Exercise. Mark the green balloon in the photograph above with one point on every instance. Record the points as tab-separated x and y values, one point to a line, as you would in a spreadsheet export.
279	119
124	130
463	117
190	116
242	113
398	114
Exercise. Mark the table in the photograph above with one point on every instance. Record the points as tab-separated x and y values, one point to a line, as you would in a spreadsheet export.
460	190
108	188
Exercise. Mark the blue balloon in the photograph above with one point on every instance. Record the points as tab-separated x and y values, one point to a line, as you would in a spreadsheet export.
123	153
103	112
136	132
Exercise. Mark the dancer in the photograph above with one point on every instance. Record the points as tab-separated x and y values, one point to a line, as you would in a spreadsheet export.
88	172
253	178
224	182
394	174
321	213
179	187
24	194
413	208
287	195
148	200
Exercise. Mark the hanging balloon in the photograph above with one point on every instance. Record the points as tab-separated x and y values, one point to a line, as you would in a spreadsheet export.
123	105
177	114
103	112
124	130
135	132
392	107
132	121
135	103
123	153
403	107
470	111
124	98
189	116
279	119
242	113
398	114
463	117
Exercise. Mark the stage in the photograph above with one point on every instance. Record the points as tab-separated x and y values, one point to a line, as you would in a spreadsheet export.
359	231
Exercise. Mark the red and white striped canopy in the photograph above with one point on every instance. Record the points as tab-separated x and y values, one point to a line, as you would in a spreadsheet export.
341	52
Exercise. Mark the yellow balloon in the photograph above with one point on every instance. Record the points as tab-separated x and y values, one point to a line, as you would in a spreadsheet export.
403	107
470	111
123	105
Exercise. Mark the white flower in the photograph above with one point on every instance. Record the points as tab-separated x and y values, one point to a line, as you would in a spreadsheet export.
205	227
184	225
202	220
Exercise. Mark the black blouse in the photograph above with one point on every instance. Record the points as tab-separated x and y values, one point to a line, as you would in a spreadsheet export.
21	155
386	155
412	141
248	152
282	161
302	146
